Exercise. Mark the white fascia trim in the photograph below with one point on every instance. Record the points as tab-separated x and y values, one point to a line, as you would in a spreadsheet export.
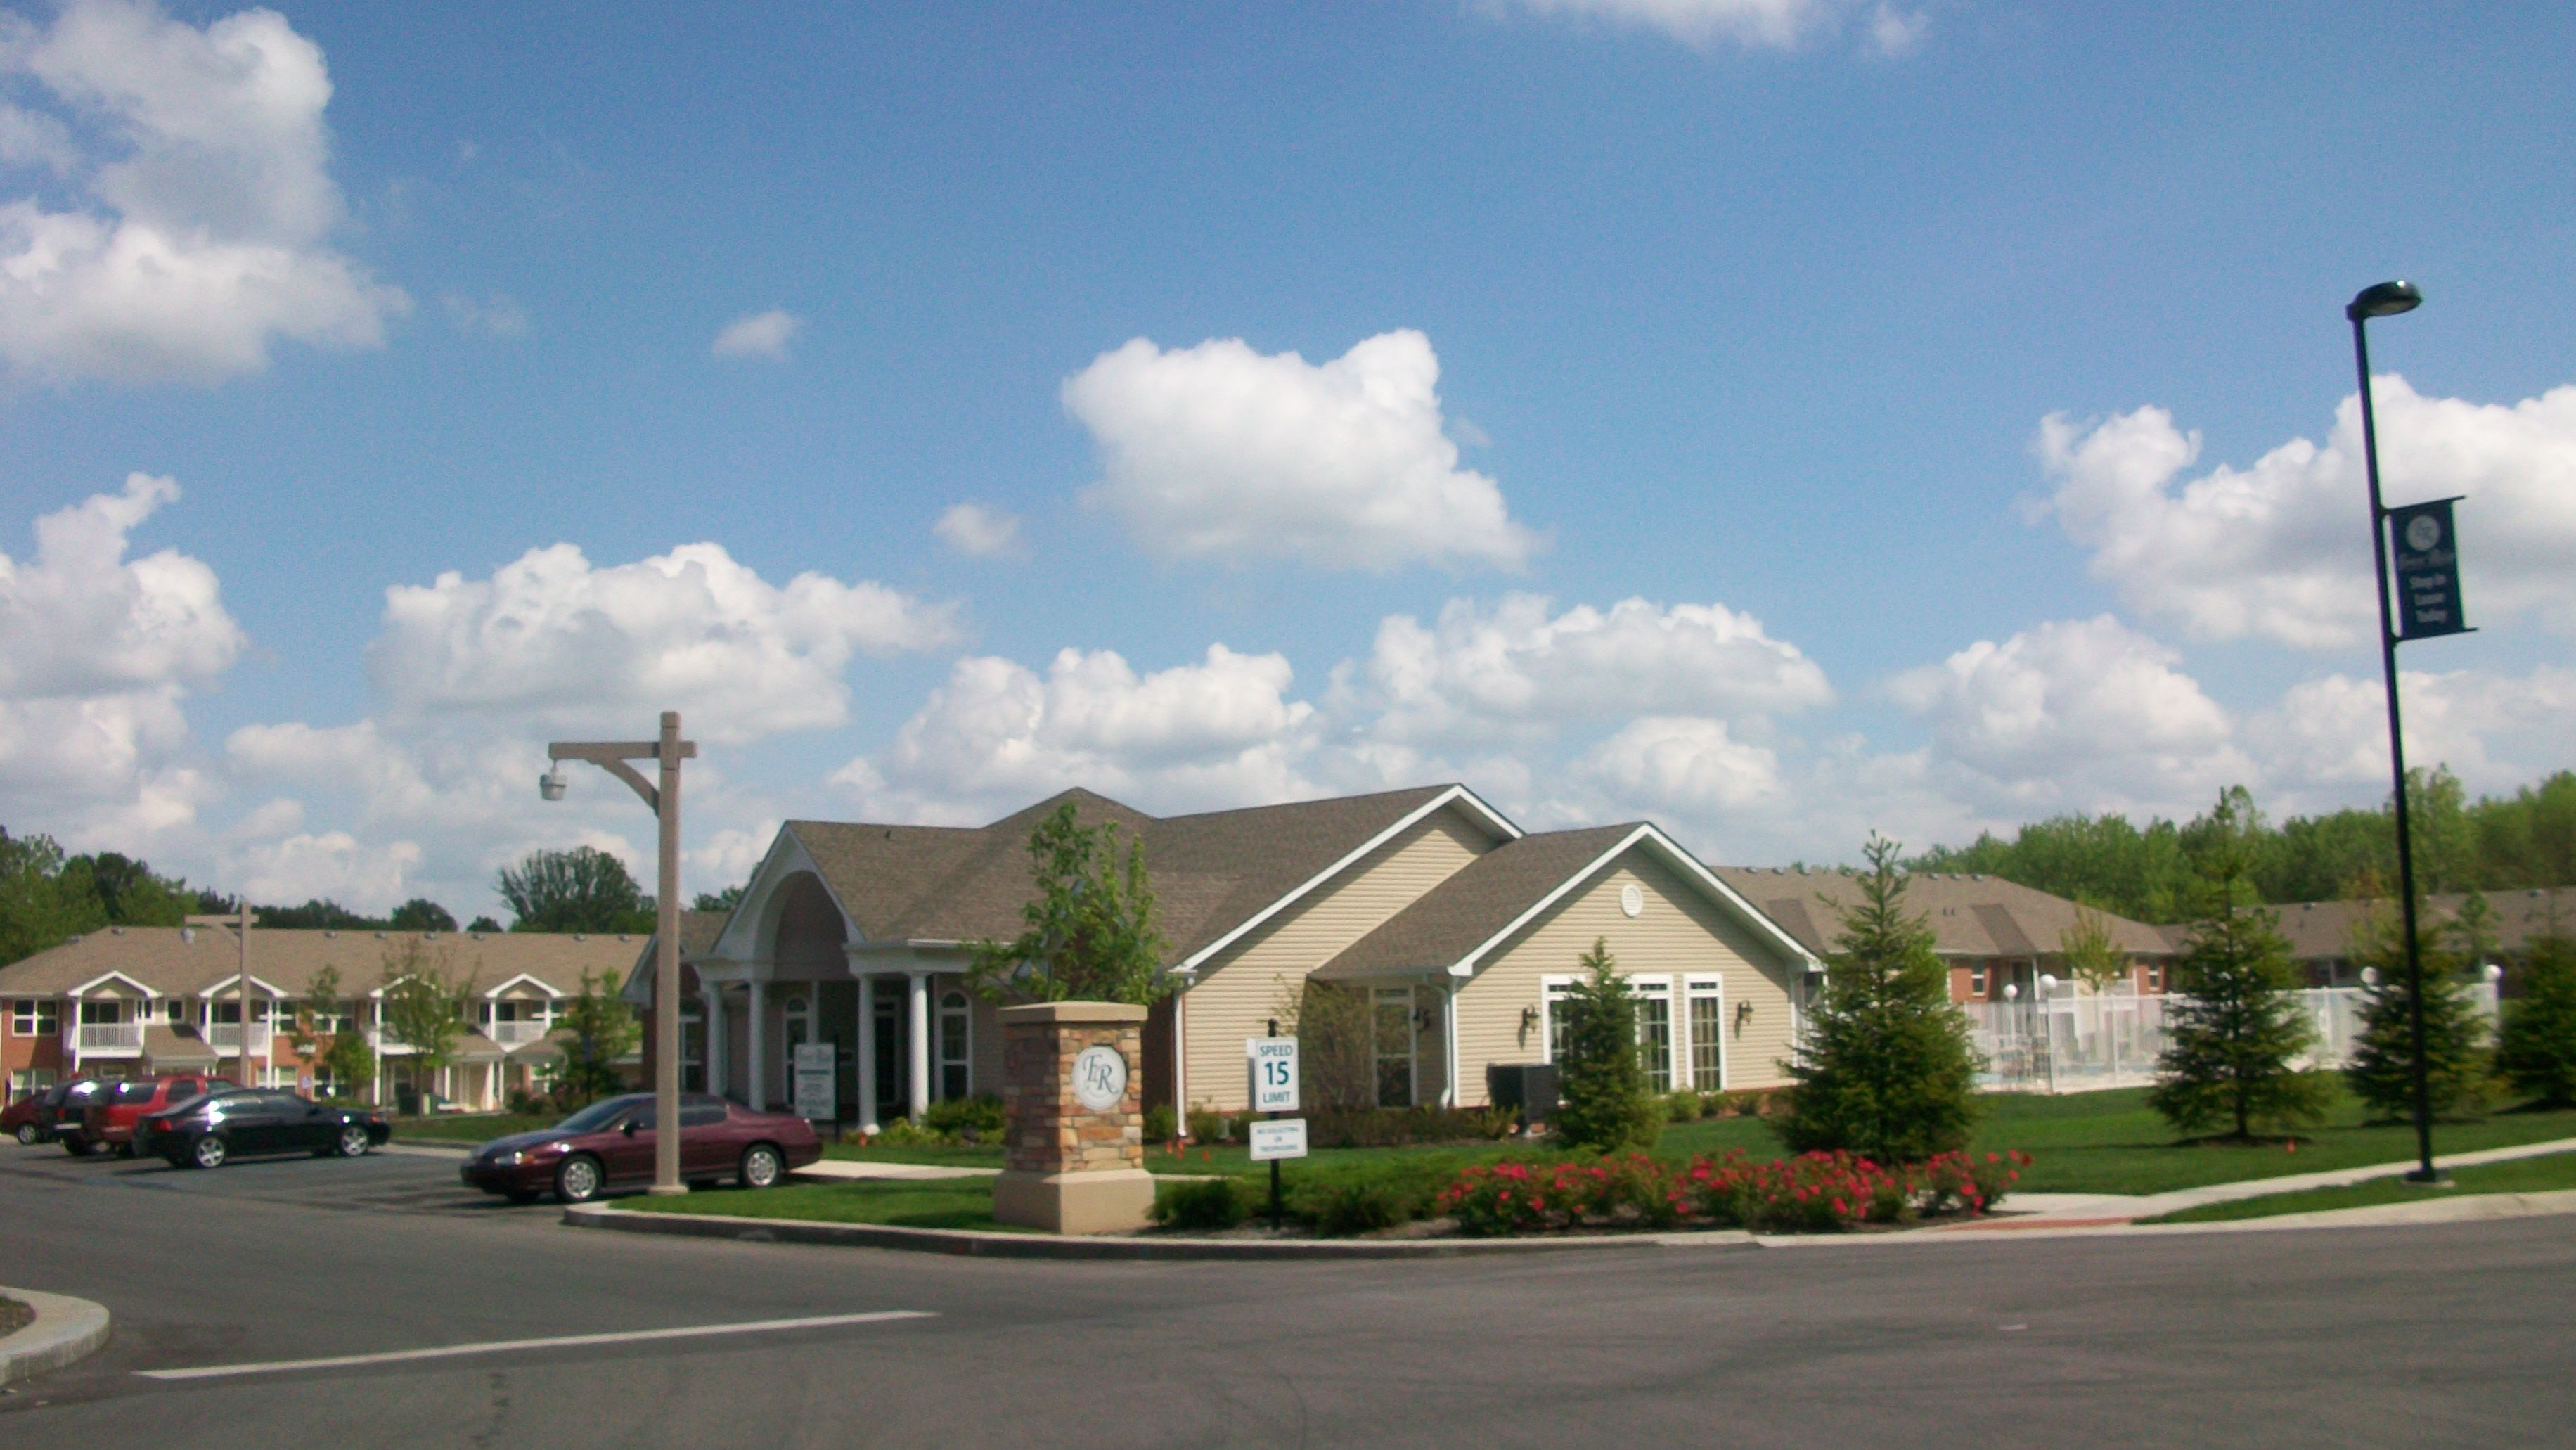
1674	856
531	978
224	987
1454	795
786	856
105	977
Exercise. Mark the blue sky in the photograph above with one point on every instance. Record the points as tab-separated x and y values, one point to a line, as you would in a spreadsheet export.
1750	312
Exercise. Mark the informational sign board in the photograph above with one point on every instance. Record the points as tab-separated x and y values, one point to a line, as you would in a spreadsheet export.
1274	1074
1278	1138
816	1082
2428	570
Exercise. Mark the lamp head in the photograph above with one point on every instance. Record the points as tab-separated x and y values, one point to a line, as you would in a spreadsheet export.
551	784
2384	299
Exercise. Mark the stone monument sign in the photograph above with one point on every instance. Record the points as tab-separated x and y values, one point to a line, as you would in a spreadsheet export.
1075	1134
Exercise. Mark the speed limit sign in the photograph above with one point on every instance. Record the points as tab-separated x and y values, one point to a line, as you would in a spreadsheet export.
1274	1073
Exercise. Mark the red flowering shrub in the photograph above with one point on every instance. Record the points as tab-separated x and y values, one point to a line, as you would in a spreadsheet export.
1811	1193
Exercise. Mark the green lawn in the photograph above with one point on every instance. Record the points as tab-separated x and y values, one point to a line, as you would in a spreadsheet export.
941	1203
469	1127
2521	1175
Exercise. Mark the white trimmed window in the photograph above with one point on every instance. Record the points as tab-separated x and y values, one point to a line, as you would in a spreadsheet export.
1704	1023
1391	1045
1654	996
1977	981
1552	994
35	1017
956	1045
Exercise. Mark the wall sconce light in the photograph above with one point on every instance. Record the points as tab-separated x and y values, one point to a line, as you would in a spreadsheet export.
1529	1020
1743	1014
1422	1019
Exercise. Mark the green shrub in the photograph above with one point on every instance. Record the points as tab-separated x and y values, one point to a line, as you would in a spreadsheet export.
1682	1107
1161	1124
1406	1185
1340	1210
968	1120
1398	1127
1202	1204
1207	1125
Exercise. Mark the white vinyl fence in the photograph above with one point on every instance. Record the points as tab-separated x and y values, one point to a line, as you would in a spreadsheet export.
2071	1043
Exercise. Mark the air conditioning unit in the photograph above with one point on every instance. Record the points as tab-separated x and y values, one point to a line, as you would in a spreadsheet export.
1527	1088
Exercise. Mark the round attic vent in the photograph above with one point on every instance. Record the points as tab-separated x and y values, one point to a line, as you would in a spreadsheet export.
1631	900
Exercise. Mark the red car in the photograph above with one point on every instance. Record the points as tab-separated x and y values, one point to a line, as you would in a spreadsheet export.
610	1144
20	1119
109	1120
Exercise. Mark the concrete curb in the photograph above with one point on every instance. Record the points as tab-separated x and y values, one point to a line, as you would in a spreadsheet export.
1046	1246
65	1329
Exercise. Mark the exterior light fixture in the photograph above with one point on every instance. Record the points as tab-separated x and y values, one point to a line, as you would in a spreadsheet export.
551	784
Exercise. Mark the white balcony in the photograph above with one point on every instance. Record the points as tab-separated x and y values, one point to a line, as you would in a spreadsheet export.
109	1037
226	1036
517	1034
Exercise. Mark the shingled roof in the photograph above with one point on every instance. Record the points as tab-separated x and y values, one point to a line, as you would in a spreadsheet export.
2323	930
1211	872
1970	916
1481	898
182	961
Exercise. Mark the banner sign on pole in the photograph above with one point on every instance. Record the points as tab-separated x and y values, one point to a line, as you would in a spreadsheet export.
2428	570
1274	1073
1278	1138
815	1082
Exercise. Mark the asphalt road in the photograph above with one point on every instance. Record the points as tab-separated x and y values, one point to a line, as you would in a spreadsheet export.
2457	1335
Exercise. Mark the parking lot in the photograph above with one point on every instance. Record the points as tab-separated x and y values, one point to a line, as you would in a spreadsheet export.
396	1179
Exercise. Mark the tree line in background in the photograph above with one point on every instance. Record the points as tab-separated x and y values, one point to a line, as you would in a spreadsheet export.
2154	873
48	896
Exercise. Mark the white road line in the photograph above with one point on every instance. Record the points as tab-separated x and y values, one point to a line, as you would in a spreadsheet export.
503	1346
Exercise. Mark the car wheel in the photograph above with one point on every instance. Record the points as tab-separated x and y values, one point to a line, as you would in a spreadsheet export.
577	1179
208	1152
762	1167
353	1141
28	1136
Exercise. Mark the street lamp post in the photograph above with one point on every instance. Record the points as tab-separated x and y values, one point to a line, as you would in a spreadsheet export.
663	797
2388	299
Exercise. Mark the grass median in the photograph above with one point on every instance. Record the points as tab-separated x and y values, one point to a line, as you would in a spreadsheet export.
939	1203
2551	1174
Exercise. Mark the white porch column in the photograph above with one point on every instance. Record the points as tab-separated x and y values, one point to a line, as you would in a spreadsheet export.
917	1043
755	1055
1450	1095
867	1053
719	1071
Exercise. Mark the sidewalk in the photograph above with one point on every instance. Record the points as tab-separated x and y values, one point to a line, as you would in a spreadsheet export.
2081	1210
844	1170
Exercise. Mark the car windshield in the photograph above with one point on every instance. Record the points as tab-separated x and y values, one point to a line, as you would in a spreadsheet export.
595	1117
133	1092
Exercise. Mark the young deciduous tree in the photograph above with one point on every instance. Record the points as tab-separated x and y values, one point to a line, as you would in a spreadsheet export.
1602	1104
1091	932
2233	1031
2382	1070
595	1028
2091	956
1886	1069
2536	1052
424	1008
577	890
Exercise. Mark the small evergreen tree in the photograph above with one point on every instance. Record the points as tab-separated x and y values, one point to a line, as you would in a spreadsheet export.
1601	1086
2382	1070
2536	1052
1091	931
2234	1031
595	1028
1886	1069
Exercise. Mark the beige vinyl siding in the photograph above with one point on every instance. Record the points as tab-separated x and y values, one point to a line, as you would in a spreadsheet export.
1242	986
1679	933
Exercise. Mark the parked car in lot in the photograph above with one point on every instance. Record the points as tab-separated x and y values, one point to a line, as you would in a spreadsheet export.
243	1123
610	1144
59	1115
18	1120
109	1120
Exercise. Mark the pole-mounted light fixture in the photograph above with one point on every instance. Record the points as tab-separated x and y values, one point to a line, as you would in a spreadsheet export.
2384	299
551	784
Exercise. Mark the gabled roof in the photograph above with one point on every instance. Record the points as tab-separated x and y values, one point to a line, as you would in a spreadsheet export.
2319	930
1454	925
698	933
1970	915
1215	874
183	961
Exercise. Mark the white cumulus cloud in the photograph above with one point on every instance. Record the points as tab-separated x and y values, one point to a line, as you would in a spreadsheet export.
1693	767
980	531
550	639
1481	671
1772	24
998	735
2494	731
2282	548
760	334
1221	452
199	202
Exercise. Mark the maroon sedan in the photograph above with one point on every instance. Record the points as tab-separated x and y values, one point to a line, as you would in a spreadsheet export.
610	1144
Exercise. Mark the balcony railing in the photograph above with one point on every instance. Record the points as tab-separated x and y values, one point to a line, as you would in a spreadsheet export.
517	1034
226	1036
109	1036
